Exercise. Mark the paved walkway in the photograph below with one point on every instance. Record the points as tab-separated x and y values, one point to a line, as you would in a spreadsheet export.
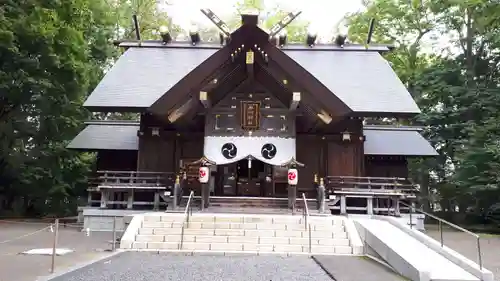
168	266
467	246
345	268
15	238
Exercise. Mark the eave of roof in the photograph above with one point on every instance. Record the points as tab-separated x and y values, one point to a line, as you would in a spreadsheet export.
405	141
106	136
380	140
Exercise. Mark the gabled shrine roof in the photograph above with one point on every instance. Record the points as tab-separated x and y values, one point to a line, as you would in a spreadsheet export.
142	75
363	80
380	140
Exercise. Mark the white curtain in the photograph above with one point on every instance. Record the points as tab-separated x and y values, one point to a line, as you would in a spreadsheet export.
278	150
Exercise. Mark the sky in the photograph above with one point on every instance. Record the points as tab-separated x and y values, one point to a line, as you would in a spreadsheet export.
324	15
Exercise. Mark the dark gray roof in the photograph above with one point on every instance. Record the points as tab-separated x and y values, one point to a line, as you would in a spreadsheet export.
107	137
396	141
364	81
143	75
379	140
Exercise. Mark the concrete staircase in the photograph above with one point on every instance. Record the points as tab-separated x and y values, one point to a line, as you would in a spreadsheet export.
242	233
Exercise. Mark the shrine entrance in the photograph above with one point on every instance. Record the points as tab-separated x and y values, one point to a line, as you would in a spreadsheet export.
247	178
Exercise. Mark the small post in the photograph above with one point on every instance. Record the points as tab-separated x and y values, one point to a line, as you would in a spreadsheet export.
411	219
369	206
321	195
480	258
343	204
113	246
54	245
310	242
440	226
397	211
176	191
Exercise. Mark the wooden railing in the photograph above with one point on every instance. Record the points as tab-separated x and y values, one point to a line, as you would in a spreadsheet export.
132	179
367	184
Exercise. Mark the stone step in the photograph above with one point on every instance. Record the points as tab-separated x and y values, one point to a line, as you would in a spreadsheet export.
278	248
244	232
243	239
245	219
230	225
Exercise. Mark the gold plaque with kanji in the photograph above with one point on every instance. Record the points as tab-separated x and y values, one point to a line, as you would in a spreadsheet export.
250	115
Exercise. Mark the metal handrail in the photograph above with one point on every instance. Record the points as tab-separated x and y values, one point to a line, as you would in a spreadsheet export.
305	213
306	224
440	226
188	211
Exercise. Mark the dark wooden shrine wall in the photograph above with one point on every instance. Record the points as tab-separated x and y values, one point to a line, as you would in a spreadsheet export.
328	158
386	166
163	153
116	160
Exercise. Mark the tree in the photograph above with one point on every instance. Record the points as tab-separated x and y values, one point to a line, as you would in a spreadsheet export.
405	25
47	67
460	111
149	16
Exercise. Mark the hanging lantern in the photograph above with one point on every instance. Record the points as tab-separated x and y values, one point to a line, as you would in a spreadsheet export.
204	174
293	176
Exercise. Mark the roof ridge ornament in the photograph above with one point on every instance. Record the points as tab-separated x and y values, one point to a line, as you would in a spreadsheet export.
283	23
217	21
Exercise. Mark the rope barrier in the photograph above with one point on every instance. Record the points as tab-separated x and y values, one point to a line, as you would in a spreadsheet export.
26	235
63	225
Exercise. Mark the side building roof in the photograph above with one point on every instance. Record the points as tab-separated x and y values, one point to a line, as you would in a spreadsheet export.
379	140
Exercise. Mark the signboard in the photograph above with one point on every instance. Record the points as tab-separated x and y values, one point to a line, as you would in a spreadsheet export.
250	57
250	115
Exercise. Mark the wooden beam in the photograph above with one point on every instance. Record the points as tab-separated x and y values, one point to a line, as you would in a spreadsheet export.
204	99
325	117
295	101
181	110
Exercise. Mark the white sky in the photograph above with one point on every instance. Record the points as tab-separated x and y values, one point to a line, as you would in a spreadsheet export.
324	15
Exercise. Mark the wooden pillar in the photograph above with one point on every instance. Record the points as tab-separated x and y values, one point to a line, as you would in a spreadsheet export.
130	199
397	212
292	196
369	205
104	198
343	207
205	195
156	204
89	199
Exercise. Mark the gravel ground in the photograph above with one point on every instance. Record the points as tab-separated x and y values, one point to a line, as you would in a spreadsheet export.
147	266
466	245
345	268
18	267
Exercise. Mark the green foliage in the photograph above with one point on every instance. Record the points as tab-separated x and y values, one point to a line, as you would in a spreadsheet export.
456	90
51	54
149	17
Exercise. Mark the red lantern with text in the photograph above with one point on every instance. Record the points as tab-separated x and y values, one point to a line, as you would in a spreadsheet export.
203	174
293	176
